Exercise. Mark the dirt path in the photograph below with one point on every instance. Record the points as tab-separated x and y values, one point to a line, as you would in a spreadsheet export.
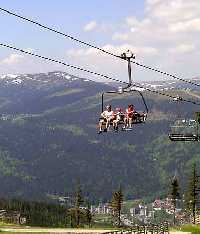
180	232
55	230
66	230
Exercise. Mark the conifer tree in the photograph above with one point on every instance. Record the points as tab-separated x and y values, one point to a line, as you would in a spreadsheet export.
192	194
88	214
77	203
175	194
116	205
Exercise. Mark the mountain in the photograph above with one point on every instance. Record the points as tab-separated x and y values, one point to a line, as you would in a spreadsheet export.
48	139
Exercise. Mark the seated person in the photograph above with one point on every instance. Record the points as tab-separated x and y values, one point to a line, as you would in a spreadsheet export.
119	116
108	116
130	112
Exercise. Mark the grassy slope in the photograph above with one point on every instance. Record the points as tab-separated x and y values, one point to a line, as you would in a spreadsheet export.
194	229
140	152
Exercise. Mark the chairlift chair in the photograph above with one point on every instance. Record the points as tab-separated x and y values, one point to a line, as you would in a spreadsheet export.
185	129
138	117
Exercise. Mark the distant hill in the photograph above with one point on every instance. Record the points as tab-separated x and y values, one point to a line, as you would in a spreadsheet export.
48	139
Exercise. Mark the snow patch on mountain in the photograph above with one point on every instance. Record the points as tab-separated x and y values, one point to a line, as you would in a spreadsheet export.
58	77
17	81
9	76
138	89
68	77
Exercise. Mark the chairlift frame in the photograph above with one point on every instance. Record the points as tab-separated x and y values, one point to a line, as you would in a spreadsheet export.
138	118
185	136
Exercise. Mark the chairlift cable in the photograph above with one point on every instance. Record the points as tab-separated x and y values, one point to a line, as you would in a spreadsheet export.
61	62
94	73
57	31
96	47
165	73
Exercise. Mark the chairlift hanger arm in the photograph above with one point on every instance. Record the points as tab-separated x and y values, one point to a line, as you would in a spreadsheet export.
143	99
102	99
128	56
124	91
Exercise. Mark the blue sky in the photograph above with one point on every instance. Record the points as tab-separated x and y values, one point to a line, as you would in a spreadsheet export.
68	16
163	34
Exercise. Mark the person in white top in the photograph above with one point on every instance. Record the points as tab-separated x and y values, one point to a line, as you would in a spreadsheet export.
119	116
108	116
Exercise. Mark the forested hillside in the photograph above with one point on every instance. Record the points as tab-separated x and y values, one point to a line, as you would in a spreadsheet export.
48	140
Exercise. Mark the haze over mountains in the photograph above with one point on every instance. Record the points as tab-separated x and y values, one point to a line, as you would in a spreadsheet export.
48	139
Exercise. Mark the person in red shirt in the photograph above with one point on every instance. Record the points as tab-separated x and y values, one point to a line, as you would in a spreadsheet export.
129	116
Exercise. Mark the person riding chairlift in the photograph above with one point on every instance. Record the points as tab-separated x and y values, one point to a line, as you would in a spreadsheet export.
119	116
108	116
130	111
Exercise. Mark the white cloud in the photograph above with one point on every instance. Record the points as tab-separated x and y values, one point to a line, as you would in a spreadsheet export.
146	51
93	59
21	64
165	36
132	21
12	59
186	26
90	26
82	52
120	36
140	50
173	10
168	28
182	49
153	2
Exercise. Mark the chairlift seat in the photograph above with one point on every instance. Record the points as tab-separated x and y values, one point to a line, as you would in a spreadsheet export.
139	118
183	137
184	130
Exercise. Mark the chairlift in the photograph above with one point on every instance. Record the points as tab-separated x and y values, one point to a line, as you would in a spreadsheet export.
138	117
185	129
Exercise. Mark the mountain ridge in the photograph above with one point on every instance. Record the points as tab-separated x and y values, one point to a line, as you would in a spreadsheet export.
48	140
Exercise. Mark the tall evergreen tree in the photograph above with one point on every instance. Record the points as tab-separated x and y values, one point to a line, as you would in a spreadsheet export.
192	194
77	203
88	214
116	205
175	194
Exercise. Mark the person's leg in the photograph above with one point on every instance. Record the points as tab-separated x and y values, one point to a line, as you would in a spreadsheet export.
125	122
130	122
114	124
107	123
144	117
100	125
136	117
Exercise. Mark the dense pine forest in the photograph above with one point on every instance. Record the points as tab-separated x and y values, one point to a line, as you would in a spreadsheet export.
48	140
